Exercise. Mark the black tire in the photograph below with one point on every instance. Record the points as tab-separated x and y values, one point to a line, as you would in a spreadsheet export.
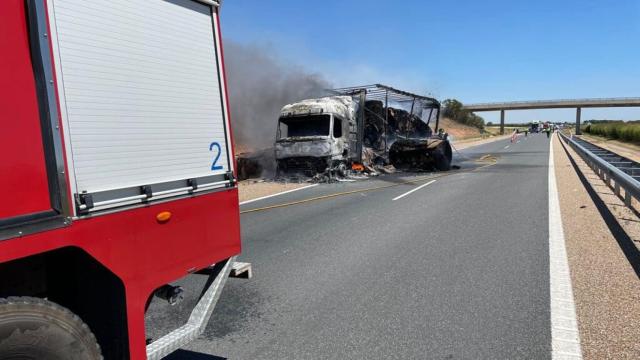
341	169
33	328
443	157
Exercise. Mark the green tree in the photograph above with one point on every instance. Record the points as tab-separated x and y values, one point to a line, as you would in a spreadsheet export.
454	110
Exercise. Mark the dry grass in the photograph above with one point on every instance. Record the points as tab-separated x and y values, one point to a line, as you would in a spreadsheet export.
626	149
495	130
459	131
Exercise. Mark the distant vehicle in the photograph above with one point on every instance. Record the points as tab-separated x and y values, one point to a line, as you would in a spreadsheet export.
534	127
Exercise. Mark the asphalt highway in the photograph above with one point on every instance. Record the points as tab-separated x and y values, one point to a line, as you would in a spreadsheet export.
456	268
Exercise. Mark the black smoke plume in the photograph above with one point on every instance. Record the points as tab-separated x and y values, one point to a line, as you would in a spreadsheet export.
259	84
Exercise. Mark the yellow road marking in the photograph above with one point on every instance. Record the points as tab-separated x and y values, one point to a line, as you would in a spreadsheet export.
328	196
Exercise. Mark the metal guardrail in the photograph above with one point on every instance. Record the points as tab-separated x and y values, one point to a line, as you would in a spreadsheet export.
625	173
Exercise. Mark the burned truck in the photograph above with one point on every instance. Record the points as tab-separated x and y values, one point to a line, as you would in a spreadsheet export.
361	127
313	136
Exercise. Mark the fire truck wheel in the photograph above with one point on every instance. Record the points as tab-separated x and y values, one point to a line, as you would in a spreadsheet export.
32	328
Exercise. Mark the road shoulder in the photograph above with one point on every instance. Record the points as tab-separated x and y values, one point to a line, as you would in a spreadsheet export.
468	143
254	189
605	285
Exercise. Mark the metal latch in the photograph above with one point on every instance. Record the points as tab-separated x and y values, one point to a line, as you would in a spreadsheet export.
146	191
232	180
193	183
84	201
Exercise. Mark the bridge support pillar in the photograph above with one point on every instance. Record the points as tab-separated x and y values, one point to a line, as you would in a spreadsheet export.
578	114
501	122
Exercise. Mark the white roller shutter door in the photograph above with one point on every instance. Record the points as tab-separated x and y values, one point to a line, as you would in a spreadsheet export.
140	94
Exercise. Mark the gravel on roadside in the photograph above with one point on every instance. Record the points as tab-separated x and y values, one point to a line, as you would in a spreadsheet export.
630	151
253	189
606	287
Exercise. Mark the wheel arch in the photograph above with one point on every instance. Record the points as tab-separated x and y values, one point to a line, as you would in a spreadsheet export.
72	278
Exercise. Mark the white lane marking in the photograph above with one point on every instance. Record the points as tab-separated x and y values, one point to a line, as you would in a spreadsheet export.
410	191
506	147
565	337
280	193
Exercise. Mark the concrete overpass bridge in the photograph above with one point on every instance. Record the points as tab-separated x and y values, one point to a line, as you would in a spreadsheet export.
578	104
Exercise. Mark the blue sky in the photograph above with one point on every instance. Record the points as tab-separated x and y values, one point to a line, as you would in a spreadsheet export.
474	51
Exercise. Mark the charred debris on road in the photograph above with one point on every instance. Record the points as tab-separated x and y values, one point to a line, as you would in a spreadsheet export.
353	132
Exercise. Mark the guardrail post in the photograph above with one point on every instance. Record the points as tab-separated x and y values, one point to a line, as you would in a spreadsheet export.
578	114
613	176
501	122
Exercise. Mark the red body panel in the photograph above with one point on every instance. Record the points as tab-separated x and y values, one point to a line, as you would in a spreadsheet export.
143	253
23	184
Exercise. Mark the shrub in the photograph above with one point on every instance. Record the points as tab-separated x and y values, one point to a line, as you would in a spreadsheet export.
616	130
454	110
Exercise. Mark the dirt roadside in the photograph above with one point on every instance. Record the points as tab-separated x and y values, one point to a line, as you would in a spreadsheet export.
253	189
459	131
508	129
605	285
630	151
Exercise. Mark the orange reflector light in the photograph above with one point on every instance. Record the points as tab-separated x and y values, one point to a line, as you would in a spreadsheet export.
163	217
357	167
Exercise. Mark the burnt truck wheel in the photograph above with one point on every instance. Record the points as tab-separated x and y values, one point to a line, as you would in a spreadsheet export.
34	329
443	156
340	169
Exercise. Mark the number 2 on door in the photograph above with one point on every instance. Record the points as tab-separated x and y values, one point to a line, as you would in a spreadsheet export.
217	156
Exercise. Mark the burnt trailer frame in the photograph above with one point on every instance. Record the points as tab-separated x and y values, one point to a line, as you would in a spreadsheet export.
386	94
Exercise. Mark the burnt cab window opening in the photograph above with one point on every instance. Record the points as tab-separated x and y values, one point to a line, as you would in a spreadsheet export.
337	128
304	126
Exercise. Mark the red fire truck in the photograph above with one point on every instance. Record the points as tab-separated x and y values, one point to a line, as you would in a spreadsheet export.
117	173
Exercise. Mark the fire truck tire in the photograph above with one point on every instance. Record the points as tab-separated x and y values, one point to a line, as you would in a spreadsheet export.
33	328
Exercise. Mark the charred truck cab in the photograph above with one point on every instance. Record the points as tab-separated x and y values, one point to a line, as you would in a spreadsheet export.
371	125
313	136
